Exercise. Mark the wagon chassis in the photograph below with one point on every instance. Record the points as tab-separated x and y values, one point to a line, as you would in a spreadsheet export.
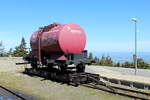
71	78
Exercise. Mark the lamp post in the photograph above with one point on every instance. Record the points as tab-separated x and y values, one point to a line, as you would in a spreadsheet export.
135	21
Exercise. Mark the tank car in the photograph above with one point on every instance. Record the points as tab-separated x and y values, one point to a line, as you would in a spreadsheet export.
60	45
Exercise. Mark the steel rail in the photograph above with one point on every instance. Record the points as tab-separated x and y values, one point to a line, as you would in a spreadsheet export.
22	98
99	85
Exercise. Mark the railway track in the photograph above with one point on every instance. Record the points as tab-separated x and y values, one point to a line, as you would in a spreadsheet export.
6	94
116	89
91	80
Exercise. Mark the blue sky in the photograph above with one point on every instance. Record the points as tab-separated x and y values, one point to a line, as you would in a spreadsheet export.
107	23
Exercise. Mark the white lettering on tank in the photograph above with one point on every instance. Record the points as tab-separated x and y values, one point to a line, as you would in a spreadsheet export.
75	31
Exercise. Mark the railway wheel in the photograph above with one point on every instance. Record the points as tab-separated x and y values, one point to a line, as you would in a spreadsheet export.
50	67
63	67
34	63
80	68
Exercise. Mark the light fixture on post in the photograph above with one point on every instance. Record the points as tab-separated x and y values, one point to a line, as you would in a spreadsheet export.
135	21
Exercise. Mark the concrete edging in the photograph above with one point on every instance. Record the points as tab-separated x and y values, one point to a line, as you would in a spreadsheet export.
138	85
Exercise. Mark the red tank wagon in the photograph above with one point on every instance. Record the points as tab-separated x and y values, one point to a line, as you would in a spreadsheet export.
58	44
59	38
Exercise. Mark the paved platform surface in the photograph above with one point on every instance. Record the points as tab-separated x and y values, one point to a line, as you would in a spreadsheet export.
130	71
121	73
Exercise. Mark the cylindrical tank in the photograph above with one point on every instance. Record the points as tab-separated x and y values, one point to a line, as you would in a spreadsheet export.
59	38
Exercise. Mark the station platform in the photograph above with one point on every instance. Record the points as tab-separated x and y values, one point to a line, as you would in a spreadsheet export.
123	76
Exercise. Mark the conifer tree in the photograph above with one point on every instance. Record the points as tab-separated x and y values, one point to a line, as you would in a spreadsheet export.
20	50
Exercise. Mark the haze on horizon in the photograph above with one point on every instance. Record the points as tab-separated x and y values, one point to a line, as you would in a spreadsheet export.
107	23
